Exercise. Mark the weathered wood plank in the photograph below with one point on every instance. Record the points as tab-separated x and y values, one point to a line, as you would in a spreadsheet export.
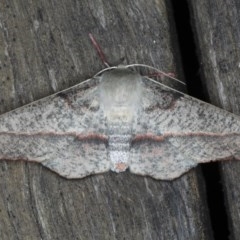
45	48
216	26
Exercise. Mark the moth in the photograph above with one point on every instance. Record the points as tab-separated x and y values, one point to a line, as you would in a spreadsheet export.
119	120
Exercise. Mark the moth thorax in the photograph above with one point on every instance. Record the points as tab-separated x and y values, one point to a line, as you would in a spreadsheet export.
119	114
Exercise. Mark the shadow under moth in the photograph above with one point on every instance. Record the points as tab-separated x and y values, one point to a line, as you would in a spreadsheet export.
119	120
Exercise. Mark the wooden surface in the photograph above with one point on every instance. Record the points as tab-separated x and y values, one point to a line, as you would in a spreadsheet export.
45	48
216	25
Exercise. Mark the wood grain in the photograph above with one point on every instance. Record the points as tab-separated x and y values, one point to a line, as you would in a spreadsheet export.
216	25
45	48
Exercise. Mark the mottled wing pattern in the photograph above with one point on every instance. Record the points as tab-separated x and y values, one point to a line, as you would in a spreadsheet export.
65	132
175	132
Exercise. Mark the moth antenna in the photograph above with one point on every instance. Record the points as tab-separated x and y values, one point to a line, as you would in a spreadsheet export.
105	62
157	70
104	70
99	50
152	80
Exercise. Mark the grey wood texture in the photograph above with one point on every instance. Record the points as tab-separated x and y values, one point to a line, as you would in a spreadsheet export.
44	48
217	33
